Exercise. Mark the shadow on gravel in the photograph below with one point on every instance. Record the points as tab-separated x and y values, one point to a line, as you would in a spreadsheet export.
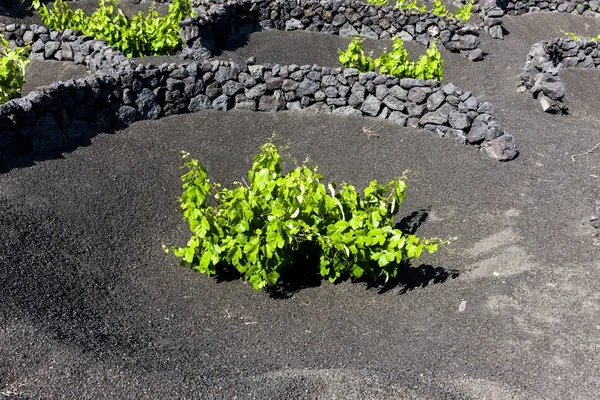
232	43
413	221
29	158
409	277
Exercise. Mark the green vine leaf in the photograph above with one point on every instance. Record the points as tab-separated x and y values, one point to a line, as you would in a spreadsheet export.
395	63
260	228
138	36
12	70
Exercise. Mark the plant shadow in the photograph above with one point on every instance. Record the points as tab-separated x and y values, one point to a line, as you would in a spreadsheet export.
304	274
409	277
413	221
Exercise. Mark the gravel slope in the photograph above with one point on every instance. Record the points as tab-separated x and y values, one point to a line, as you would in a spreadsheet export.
90	307
39	73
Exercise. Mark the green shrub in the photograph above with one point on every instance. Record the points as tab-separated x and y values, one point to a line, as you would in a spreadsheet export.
395	63
411	5
573	36
430	65
355	57
260	226
463	12
378	2
12	70
141	35
440	9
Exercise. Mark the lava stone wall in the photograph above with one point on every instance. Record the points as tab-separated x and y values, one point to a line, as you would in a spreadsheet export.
214	24
67	45
582	7
492	11
544	61
123	92
44	120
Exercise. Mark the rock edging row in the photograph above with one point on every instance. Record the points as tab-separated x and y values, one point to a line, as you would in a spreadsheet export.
213	24
122	92
581	7
492	11
544	62
67	45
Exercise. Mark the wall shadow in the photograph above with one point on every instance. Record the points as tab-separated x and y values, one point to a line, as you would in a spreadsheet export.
28	158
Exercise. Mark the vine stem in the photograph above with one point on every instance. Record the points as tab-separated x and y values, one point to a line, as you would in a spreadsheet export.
585	153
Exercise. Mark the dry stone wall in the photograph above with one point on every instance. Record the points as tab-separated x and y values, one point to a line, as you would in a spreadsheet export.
492	11
544	62
213	23
122	92
581	7
67	45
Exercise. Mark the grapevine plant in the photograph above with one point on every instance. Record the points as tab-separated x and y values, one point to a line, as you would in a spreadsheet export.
355	57
411	5
378	2
463	12
140	35
12	70
260	227
395	63
573	36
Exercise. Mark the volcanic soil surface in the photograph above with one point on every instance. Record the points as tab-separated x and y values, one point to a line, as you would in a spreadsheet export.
92	308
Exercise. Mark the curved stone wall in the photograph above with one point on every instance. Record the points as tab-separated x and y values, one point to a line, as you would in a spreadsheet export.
67	45
213	24
544	62
492	11
123	92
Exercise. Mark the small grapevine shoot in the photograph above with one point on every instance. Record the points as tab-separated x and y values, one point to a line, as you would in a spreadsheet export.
464	12
430	65
439	9
395	63
378	2
355	57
